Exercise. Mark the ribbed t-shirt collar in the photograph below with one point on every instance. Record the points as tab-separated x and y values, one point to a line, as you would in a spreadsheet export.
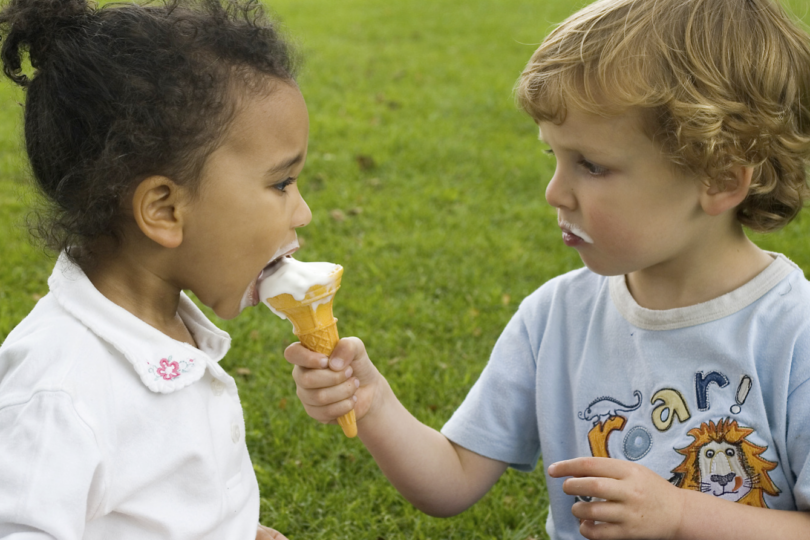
712	310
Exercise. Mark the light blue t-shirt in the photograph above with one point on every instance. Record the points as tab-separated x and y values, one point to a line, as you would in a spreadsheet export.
713	397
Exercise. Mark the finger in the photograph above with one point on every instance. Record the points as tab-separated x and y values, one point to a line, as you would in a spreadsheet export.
345	352
321	397
312	379
273	534
603	488
599	530
330	413
589	466
600	511
299	355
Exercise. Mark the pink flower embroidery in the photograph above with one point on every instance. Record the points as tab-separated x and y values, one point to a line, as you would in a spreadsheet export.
168	370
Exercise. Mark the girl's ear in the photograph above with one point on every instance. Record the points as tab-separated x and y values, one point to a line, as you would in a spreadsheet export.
158	208
716	200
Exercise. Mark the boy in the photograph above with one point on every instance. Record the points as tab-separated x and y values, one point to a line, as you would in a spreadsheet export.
670	379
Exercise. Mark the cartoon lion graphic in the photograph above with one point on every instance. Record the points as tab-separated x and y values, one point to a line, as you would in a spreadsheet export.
722	462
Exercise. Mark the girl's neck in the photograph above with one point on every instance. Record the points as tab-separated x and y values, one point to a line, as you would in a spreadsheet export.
141	290
710	270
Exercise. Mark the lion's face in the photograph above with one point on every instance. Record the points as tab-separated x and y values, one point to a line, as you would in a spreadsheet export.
723	462
722	471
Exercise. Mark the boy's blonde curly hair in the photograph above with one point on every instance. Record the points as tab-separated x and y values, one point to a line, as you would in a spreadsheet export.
722	83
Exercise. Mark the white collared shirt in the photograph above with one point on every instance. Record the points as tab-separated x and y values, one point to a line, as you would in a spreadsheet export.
109	429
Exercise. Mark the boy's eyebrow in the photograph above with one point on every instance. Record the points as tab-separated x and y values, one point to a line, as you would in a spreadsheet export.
585	148
284	165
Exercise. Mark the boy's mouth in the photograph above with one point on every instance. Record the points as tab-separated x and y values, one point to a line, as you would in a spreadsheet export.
573	235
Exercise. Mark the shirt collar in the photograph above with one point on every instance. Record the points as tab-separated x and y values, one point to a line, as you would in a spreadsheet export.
712	310
162	363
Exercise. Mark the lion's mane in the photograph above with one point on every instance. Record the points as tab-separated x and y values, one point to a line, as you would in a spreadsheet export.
688	472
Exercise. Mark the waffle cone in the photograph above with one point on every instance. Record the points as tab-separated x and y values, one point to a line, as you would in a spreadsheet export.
315	326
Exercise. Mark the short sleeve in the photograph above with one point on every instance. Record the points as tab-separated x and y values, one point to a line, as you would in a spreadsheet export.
498	418
49	462
798	437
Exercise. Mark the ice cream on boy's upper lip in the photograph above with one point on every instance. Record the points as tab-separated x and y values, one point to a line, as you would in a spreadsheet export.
573	229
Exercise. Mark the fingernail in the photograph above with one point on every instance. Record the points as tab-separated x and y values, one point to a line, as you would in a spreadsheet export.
354	398
348	372
323	361
337	363
357	383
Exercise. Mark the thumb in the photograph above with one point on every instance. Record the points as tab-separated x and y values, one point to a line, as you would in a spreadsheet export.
351	351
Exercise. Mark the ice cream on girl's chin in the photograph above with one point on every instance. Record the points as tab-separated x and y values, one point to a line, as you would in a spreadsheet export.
295	278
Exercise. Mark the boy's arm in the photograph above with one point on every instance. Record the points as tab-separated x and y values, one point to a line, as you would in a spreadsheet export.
437	476
641	504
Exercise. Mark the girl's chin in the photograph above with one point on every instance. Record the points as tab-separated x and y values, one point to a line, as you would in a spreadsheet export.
229	314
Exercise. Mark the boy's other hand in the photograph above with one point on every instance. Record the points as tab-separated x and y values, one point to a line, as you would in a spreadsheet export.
265	533
638	503
331	387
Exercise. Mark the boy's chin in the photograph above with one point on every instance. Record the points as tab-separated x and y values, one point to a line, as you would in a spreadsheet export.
602	268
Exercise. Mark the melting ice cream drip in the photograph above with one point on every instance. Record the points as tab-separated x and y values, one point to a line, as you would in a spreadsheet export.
296	278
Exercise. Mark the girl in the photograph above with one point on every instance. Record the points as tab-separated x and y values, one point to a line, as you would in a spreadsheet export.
166	139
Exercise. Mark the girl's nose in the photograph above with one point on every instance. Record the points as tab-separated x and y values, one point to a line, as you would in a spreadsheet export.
302	214
559	193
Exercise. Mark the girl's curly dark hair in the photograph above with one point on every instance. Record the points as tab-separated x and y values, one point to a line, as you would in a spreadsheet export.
127	91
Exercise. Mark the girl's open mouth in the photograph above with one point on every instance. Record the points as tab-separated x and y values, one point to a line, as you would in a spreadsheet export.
251	297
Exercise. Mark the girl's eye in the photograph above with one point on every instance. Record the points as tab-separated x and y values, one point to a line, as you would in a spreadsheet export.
593	169
282	186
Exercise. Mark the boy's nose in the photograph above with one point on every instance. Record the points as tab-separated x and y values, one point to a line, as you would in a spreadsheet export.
559	194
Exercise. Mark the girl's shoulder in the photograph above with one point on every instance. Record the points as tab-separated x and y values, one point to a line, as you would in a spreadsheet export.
44	351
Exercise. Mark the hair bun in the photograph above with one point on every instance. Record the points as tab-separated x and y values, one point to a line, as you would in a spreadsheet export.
35	25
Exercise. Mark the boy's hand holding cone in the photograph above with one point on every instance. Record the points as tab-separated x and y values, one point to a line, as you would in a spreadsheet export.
303	293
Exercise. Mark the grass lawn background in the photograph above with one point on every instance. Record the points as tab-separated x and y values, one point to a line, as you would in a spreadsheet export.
426	184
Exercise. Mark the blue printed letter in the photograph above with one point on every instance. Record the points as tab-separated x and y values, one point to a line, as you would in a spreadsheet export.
702	387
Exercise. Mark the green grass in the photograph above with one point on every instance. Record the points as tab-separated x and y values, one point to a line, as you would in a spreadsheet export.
445	231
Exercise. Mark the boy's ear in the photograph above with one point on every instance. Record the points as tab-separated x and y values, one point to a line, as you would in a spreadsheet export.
716	200
158	208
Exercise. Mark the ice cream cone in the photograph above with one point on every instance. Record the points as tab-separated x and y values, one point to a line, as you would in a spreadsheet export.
315	325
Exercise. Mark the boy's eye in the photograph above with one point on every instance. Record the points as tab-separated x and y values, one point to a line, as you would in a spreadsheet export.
282	186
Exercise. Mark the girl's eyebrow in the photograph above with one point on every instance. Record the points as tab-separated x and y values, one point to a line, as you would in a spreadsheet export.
284	165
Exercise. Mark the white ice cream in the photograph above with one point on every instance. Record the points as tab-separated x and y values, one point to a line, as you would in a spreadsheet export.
295	278
576	230
251	297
